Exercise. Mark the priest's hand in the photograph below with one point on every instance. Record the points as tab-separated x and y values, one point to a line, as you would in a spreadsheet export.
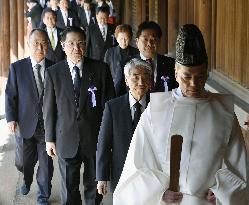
50	148
211	197
172	197
102	187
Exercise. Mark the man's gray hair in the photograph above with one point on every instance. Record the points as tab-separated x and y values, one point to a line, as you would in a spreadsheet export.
136	63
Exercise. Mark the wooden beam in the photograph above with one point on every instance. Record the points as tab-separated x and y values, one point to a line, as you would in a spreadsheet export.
20	25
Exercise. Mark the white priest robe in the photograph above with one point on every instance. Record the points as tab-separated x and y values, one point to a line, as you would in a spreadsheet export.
213	152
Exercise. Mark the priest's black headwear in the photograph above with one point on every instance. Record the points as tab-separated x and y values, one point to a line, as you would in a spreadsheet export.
190	46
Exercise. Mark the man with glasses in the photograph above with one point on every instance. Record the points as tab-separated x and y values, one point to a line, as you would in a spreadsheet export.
23	108
148	41
76	90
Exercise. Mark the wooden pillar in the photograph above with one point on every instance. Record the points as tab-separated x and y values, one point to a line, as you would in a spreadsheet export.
20	25
13	31
205	23
173	25
163	22
4	37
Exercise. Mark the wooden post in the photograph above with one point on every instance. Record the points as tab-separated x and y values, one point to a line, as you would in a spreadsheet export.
205	23
20	25
4	43
13	31
173	25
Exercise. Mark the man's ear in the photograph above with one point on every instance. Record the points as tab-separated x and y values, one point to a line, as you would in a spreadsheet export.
136	41
126	81
62	45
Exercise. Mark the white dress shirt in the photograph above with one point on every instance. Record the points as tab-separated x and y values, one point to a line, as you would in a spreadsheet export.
154	60
42	63
71	65
101	29
133	101
65	16
54	30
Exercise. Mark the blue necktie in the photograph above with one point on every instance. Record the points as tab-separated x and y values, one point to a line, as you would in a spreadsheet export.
76	83
137	114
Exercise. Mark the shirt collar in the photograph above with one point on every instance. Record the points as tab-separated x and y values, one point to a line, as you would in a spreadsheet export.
71	64
144	58
33	62
50	30
178	92
132	100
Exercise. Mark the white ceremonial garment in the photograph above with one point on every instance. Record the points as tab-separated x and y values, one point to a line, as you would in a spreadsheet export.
213	152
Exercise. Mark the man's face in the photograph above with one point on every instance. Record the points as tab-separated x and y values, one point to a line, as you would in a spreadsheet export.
102	18
53	3
123	39
49	20
191	80
74	47
138	82
148	43
38	46
87	6
64	5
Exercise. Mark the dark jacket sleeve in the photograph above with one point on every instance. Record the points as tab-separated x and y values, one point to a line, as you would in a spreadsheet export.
11	96
49	109
104	146
108	87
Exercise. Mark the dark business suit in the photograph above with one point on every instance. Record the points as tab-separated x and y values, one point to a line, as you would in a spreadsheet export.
165	67
57	54
75	130
96	46
71	14
116	62
83	19
23	105
35	15
114	140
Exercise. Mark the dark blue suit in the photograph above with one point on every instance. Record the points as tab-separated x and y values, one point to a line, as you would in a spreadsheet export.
114	139
24	106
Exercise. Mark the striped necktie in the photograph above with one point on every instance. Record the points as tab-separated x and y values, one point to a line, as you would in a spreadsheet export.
38	79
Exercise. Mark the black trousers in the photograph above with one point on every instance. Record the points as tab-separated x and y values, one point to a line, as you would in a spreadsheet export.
70	180
34	149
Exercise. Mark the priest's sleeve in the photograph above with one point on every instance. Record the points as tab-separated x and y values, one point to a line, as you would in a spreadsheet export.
142	181
232	181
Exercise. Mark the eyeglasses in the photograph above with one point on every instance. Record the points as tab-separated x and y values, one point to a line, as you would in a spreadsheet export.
72	44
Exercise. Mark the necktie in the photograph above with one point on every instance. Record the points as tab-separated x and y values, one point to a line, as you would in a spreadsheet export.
38	79
52	41
137	114
150	61
88	17
103	32
76	83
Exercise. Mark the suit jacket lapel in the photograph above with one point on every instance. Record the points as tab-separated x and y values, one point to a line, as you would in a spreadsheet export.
66	78
32	77
125	109
84	85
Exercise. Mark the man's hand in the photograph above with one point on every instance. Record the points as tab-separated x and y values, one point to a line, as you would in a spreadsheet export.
172	197
211	197
102	187
50	148
12	127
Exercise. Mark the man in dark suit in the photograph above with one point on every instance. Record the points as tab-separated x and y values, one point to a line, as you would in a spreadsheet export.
24	96
86	14
116	57
148	40
100	36
55	51
34	12
65	16
76	90
116	132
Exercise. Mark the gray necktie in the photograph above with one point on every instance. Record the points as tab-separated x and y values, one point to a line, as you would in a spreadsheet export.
38	79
